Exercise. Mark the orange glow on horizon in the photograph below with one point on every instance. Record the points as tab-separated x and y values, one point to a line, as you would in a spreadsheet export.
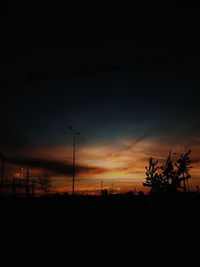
119	163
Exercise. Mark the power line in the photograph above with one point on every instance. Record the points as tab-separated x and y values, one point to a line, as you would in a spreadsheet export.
121	67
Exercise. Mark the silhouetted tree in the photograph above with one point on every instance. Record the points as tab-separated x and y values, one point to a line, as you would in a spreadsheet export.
45	184
183	168
165	178
170	178
153	178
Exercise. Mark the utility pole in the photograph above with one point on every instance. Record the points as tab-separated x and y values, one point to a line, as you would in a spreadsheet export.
74	158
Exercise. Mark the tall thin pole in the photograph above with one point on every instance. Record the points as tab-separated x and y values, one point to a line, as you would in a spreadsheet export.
74	158
74	162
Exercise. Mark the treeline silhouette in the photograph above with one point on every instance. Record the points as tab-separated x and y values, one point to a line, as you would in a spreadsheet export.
27	187
168	183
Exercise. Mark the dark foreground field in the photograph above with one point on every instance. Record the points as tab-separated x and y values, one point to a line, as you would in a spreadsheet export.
99	218
128	202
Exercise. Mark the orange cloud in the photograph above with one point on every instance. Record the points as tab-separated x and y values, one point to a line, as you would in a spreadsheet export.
116	162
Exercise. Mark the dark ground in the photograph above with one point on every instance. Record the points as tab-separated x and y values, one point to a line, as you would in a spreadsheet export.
119	221
129	202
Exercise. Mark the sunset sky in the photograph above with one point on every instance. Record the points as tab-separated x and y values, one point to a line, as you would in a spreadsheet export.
131	88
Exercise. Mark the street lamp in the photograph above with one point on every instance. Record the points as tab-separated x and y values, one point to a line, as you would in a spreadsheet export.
74	156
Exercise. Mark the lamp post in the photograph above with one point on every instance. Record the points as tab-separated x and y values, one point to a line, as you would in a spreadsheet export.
74	157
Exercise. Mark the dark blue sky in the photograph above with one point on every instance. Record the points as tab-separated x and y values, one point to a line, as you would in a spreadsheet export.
109	79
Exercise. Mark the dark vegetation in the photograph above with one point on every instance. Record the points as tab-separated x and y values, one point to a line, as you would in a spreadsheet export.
168	183
169	178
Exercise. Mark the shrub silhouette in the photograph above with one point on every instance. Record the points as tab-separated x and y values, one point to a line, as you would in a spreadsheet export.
153	178
183	168
169	177
45	184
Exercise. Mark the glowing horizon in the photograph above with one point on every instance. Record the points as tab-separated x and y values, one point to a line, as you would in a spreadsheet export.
121	163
